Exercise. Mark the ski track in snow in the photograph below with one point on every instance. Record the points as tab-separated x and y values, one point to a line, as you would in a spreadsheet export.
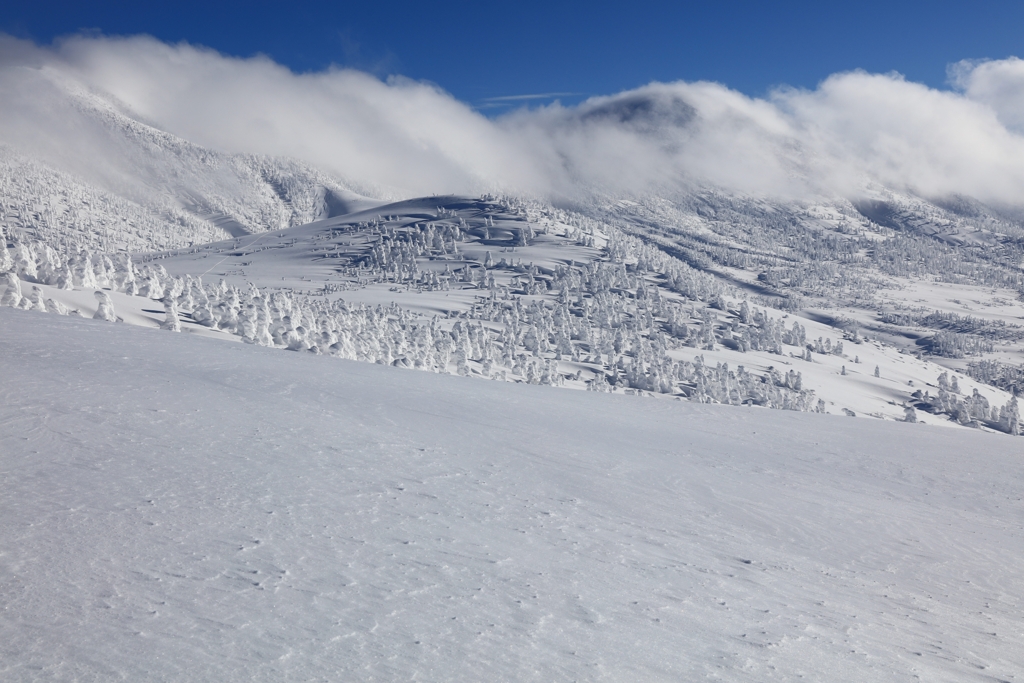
178	509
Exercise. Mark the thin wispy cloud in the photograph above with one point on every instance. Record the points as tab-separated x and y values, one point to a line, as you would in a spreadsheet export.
507	102
853	130
537	96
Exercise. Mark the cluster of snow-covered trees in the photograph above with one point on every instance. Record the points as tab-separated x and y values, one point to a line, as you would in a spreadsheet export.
837	253
974	409
66	213
1002	375
37	261
618	321
956	345
971	330
619	335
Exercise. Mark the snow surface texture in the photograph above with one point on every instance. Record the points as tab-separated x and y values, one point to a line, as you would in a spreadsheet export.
180	509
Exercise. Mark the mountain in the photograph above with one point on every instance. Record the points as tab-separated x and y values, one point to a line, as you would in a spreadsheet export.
414	491
124	185
824	305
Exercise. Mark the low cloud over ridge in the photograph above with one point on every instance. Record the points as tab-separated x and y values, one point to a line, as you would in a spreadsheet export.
852	130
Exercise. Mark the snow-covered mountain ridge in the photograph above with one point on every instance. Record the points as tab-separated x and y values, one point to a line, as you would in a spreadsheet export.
125	185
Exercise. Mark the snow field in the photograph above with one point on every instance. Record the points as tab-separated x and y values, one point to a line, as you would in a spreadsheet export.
176	509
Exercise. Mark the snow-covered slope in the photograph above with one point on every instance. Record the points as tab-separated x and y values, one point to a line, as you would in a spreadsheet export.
121	183
180	509
604	308
167	206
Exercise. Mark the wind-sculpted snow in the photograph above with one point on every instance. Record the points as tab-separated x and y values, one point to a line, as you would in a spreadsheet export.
179	509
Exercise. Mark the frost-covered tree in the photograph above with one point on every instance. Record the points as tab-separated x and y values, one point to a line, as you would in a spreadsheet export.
6	262
12	292
56	307
171	321
105	311
37	299
1009	417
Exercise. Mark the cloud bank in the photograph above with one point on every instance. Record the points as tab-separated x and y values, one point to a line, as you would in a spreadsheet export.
853	130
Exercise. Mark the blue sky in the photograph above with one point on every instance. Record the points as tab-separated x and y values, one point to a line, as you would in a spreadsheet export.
481	52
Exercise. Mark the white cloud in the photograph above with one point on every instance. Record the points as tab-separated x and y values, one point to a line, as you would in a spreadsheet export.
853	129
997	84
906	135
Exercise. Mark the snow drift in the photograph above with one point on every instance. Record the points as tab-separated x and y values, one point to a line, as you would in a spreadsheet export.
172	514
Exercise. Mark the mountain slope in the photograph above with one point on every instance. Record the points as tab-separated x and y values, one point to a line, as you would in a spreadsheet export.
179	509
122	183
599	306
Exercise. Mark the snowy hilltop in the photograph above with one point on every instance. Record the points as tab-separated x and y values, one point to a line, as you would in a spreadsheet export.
650	255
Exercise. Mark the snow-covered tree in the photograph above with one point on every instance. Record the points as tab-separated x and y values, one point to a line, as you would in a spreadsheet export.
105	311
171	321
12	293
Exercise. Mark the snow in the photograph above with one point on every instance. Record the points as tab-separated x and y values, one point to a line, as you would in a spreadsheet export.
461	257
179	509
317	257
